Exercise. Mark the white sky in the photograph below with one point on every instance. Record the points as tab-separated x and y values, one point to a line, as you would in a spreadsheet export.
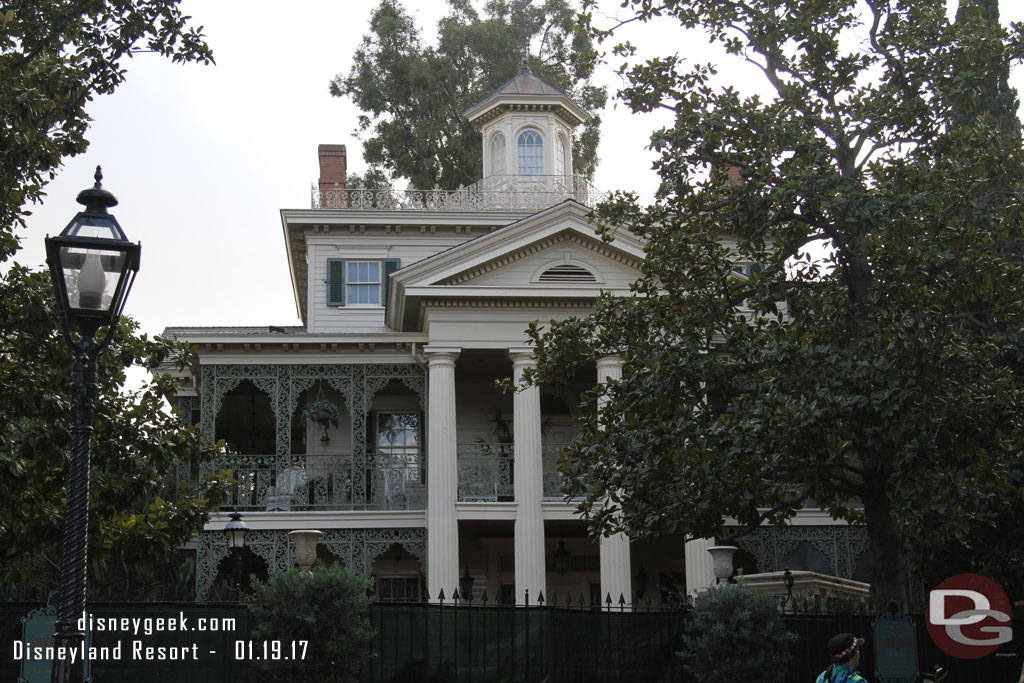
202	158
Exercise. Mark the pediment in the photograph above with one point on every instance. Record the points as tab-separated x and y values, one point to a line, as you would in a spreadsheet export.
547	255
568	259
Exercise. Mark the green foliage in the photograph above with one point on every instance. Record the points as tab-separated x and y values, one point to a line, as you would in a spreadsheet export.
882	381
54	58
327	608
412	96
137	448
323	412
736	634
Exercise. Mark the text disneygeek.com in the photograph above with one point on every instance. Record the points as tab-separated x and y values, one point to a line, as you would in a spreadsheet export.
139	649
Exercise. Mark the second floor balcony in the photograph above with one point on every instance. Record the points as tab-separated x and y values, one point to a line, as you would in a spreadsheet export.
493	193
486	473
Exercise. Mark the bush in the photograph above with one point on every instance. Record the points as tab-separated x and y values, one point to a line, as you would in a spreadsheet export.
736	634
327	608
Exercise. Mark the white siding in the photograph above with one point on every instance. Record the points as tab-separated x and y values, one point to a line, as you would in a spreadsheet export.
410	248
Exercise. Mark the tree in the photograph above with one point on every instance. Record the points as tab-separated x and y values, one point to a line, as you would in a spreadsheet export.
54	58
881	381
325	609
412	96
138	514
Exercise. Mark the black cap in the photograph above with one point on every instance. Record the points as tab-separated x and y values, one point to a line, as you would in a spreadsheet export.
842	647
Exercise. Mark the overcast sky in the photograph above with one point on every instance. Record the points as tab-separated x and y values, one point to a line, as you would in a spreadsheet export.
202	158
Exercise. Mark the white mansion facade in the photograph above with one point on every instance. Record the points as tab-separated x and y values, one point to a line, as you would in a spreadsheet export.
378	421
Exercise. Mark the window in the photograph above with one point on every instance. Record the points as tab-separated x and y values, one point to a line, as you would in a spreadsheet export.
362	282
398	588
531	153
560	159
498	155
359	283
398	444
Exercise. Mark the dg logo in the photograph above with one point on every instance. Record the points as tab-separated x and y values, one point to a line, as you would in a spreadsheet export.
968	616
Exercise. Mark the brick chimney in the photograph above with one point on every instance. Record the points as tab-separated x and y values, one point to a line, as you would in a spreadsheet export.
332	167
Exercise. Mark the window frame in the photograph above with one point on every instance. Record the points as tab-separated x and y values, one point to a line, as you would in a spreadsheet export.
337	282
528	151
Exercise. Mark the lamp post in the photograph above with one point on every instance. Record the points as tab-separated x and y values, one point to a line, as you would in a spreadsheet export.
236	530
93	266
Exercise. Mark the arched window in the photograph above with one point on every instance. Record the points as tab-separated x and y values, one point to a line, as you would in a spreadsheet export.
498	155
531	153
560	159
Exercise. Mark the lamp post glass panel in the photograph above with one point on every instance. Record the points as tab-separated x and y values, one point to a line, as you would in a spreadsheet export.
92	265
236	530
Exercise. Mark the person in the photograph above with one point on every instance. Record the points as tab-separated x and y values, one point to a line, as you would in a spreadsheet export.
844	649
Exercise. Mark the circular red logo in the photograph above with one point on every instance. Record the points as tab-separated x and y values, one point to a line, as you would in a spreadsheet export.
968	616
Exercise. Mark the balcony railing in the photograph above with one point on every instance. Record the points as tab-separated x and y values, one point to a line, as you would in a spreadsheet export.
487	471
494	193
320	482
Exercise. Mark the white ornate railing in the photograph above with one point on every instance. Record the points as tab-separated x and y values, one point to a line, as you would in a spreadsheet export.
494	193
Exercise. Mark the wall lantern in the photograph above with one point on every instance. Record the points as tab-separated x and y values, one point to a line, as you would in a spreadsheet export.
560	558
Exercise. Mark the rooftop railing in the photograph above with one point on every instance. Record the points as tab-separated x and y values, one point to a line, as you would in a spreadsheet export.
494	193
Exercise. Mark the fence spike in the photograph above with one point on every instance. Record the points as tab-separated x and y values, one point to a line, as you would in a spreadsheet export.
622	600
526	600
540	598
608	599
483	598
582	604
455	595
440	596
554	599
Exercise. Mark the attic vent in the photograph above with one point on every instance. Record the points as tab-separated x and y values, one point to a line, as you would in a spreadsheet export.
567	272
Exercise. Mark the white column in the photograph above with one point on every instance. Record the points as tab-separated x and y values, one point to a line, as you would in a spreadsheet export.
442	475
616	577
700	574
529	484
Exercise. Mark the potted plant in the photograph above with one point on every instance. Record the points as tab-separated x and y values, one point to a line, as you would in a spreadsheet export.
322	412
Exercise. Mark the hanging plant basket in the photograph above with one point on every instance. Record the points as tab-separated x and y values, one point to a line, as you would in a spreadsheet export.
322	412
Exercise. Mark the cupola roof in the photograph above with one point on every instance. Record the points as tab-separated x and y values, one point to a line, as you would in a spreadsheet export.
526	92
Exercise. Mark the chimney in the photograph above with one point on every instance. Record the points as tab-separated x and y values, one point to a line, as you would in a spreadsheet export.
332	167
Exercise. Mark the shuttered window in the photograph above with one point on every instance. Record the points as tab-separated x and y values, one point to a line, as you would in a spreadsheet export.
335	282
358	282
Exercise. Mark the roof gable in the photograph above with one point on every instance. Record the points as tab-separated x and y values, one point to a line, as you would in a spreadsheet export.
509	262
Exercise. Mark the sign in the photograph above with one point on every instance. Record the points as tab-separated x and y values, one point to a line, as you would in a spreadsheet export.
968	616
895	642
37	630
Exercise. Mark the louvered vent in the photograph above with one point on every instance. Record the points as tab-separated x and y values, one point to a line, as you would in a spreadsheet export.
567	272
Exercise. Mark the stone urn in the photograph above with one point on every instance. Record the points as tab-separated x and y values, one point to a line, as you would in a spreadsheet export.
305	547
721	561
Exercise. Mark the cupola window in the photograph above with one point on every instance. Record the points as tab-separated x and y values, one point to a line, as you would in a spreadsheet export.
531	153
498	155
560	159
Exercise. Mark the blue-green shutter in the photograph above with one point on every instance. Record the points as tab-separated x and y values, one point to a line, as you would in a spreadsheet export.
754	268
388	265
335	282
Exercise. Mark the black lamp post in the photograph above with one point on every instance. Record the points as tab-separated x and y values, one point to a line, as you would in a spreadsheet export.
93	266
236	530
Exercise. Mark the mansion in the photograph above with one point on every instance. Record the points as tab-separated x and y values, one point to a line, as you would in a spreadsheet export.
378	421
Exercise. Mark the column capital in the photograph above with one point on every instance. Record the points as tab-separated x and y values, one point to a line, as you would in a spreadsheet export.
522	356
439	355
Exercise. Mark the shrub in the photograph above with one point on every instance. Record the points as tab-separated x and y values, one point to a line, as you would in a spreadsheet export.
736	634
327	608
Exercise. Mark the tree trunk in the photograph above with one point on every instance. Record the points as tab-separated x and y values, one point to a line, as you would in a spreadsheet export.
888	575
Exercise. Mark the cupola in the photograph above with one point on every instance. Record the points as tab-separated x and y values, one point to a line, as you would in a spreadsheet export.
526	126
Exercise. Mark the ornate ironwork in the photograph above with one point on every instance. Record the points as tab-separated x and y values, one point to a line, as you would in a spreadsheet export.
284	385
842	545
356	548
550	453
485	471
494	193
